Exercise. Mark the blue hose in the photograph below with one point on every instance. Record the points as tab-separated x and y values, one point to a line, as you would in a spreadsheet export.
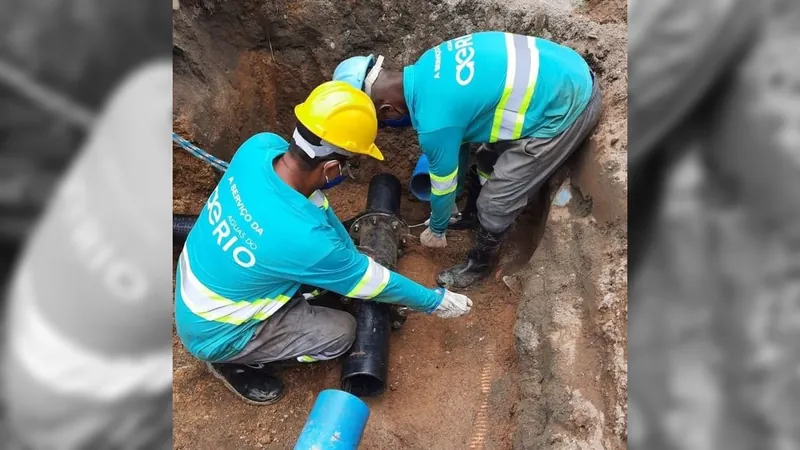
336	422
198	152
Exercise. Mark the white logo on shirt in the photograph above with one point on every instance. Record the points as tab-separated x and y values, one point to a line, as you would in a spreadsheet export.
437	61
465	66
242	255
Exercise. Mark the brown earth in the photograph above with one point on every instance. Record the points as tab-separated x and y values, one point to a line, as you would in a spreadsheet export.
541	361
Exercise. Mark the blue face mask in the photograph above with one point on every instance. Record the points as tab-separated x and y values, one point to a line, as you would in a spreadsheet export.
402	122
336	181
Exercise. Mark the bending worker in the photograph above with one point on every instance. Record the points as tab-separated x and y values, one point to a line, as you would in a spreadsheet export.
529	101
266	230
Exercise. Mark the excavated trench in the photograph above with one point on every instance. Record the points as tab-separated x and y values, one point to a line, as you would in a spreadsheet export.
540	362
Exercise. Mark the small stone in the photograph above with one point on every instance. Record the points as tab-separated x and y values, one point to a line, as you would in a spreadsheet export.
607	302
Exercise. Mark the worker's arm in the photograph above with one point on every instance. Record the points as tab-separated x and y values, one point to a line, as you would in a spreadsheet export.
443	150
353	274
341	231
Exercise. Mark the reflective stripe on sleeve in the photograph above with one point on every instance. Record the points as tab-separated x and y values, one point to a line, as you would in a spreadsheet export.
209	305
374	281
444	185
306	359
522	72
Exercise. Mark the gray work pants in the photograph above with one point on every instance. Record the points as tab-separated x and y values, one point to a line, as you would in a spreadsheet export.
524	165
300	331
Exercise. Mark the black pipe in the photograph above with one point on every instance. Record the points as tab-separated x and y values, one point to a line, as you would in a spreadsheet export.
181	226
365	367
384	194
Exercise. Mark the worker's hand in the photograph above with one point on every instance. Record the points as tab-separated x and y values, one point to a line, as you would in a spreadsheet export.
430	239
453	305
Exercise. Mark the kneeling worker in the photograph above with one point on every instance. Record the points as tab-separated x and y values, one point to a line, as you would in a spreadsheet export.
266	230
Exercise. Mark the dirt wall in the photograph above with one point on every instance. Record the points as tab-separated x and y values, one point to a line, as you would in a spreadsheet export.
240	67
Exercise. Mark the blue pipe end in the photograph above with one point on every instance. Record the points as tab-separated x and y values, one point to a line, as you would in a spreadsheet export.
336	422
420	184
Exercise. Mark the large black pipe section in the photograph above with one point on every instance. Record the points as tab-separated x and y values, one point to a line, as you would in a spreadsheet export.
378	233
181	226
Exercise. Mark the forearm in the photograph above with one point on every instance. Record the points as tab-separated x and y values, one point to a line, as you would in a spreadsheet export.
444	150
441	210
355	275
403	291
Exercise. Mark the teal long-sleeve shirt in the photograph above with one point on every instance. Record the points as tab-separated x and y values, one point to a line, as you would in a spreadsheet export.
489	87
255	243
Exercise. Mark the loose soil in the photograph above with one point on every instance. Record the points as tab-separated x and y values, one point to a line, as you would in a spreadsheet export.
541	361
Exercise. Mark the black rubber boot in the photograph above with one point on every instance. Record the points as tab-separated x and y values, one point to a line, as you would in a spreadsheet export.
469	216
479	261
255	384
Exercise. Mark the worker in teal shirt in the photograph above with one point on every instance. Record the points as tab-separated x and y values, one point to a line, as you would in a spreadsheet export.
528	101
266	231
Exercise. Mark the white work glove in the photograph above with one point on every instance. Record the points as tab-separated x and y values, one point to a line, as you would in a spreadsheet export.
453	305
432	240
455	216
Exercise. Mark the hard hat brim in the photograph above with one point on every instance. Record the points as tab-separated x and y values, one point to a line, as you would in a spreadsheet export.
375	152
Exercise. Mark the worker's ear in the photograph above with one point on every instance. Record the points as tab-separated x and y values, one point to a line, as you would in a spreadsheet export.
387	111
331	170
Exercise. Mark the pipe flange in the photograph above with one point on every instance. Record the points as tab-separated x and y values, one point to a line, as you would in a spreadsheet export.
400	228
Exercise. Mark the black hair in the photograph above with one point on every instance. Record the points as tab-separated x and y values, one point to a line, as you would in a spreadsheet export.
308	163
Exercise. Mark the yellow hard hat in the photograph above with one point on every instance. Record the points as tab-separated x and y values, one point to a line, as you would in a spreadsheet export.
343	116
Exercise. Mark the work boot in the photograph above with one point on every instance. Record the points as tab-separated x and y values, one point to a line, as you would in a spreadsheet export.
253	383
479	261
469	216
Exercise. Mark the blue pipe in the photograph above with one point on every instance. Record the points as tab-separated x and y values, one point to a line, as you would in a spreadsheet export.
336	422
420	184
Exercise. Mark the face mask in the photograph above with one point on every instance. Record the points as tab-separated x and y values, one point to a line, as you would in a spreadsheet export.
402	122
333	183
336	181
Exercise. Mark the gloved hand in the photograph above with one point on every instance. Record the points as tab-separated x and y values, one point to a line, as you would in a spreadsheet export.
453	305
432	240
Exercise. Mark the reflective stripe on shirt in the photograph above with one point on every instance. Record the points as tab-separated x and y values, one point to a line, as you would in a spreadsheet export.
319	199
68	368
483	177
374	281
444	185
521	74
209	305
